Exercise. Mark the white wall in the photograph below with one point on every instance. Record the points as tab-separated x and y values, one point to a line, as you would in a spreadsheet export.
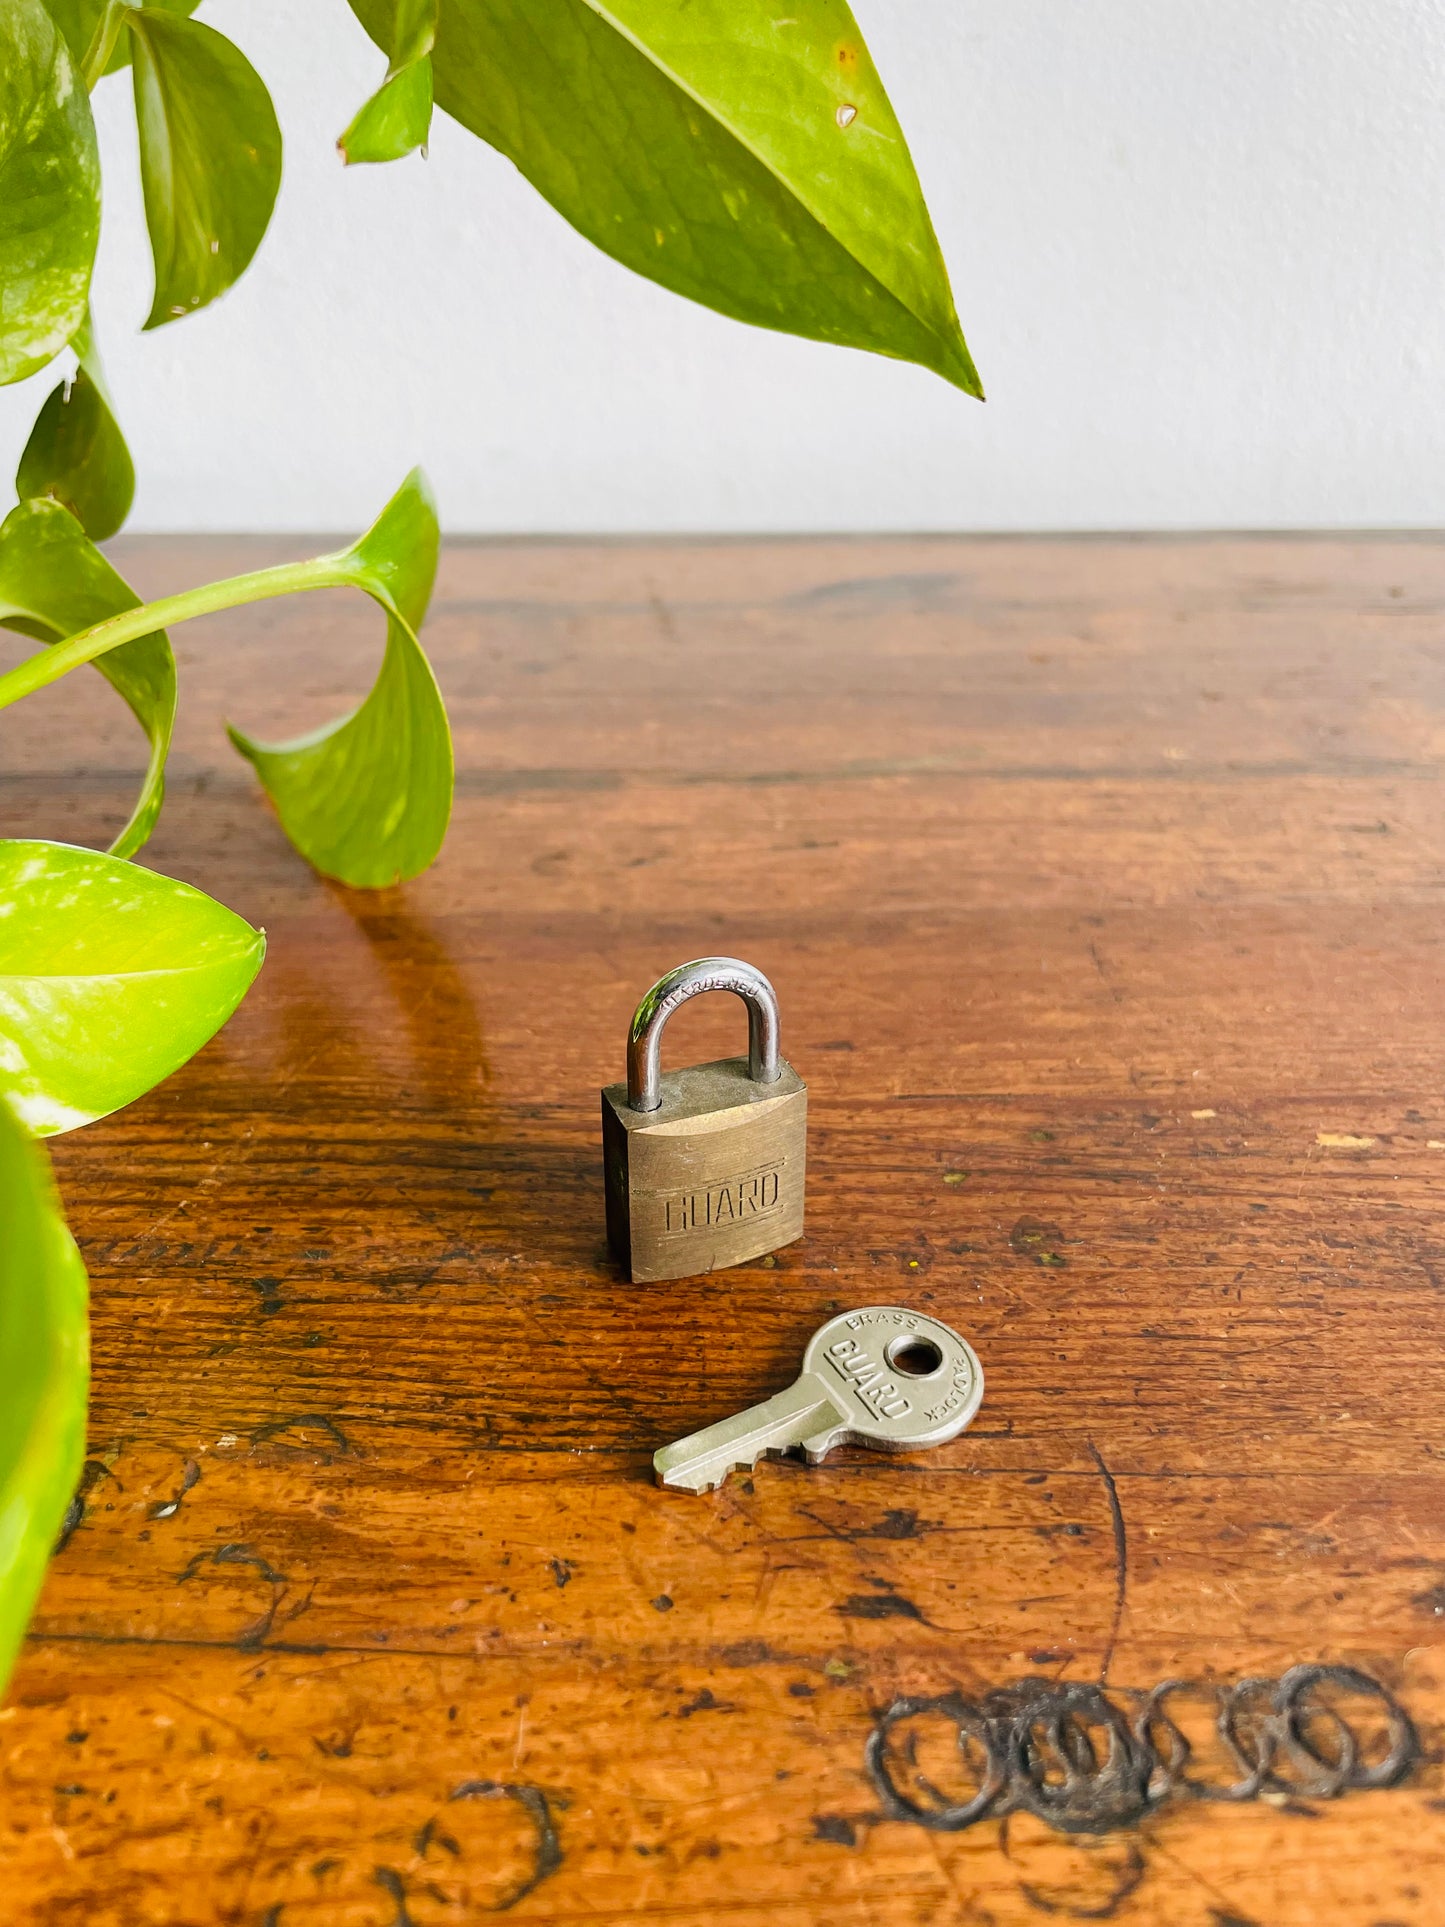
1199	251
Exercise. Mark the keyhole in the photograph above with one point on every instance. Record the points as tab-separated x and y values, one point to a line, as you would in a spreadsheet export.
914	1357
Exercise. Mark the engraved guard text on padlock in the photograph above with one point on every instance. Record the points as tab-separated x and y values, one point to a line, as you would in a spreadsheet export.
705	1166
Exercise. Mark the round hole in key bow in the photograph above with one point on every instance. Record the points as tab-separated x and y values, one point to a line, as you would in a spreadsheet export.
913	1356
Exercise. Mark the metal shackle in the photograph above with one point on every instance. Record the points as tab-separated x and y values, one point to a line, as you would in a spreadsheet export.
644	1041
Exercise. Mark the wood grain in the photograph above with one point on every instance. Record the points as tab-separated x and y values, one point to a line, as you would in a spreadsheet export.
1101	882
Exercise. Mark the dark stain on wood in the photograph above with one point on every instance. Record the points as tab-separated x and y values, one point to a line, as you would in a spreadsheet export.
879	1606
705	1701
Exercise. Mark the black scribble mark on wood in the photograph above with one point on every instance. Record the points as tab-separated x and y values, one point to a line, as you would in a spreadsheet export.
91	1474
1219	1918
232	1555
561	1571
1085	1764
168	1508
835	1827
253	1636
390	1882
1121	1560
883	1606
274	1431
272	1915
547	1857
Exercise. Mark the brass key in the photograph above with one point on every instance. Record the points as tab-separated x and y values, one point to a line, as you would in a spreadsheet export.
892	1379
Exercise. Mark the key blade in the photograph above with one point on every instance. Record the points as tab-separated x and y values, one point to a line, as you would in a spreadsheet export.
703	1460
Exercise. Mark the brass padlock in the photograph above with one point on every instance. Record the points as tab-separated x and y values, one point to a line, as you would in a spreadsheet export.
705	1166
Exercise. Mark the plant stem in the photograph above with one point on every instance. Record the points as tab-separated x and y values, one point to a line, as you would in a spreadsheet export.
102	44
287	578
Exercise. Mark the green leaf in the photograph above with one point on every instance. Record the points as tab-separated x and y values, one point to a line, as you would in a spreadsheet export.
738	152
397	118
54	583
121	56
49	191
76	453
395	121
367	798
210	154
110	978
44	1373
77	20
396	560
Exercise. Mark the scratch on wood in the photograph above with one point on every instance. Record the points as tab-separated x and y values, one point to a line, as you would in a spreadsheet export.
1121	1560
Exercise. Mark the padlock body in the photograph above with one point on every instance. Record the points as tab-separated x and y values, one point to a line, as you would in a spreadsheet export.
714	1177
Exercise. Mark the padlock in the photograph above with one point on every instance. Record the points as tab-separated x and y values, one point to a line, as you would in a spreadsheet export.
705	1166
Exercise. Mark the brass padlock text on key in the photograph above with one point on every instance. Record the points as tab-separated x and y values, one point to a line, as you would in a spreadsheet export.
705	1166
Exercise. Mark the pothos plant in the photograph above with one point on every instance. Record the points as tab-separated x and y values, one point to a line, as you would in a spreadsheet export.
746	159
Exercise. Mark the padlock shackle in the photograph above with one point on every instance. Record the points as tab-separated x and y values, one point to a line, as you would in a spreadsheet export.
644	1041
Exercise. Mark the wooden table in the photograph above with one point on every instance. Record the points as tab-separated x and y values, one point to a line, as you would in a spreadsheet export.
1101	882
